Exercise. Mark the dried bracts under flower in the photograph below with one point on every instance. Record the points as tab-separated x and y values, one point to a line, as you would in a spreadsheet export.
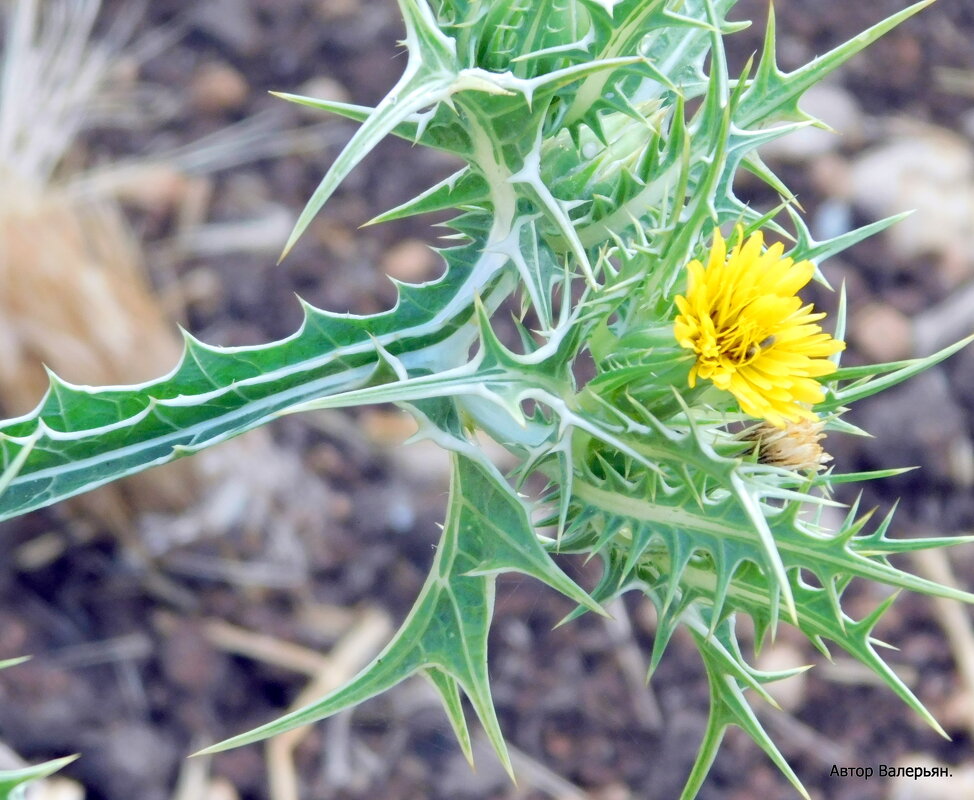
796	446
751	333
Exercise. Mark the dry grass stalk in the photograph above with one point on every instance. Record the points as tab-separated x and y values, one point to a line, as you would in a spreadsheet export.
73	292
365	637
952	617
268	649
73	298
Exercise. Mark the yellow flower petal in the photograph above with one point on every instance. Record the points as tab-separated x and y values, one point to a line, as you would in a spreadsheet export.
751	333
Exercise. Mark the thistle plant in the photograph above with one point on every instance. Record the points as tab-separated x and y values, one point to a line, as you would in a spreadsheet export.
595	222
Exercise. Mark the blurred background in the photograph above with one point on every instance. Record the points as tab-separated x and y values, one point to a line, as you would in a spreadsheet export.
147	178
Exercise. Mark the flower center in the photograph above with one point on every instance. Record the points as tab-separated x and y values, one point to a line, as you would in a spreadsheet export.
738	342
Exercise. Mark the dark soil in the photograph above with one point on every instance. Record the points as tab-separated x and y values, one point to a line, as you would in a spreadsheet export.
124	671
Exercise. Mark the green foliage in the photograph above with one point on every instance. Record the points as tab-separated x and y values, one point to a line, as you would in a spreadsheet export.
601	139
13	783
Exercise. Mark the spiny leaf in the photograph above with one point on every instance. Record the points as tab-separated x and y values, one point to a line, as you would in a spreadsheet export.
775	94
726	672
81	437
897	372
444	636
462	189
12	782
820	618
430	70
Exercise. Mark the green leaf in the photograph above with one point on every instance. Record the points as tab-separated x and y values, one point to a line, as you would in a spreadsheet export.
487	532
728	676
81	437
866	381
430	70
13	782
774	94
462	189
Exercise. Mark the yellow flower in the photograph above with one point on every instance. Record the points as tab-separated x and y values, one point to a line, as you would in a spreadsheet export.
751	334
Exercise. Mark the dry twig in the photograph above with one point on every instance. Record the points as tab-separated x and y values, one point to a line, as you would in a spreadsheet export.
952	617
